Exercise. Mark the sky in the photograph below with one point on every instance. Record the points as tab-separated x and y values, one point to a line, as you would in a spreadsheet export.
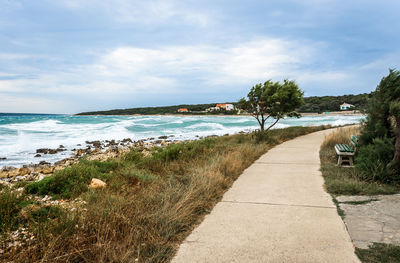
69	56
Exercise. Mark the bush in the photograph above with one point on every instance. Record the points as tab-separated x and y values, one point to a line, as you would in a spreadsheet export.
9	209
72	181
183	150
372	161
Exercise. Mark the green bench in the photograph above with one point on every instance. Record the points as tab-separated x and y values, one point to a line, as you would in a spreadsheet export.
346	152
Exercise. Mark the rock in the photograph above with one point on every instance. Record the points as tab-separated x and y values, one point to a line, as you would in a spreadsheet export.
163	137
3	158
24	171
38	155
42	150
126	140
7	168
79	152
47	170
61	146
44	163
96	144
50	151
97	183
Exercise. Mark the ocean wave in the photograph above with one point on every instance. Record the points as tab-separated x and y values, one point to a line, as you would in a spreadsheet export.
19	140
212	125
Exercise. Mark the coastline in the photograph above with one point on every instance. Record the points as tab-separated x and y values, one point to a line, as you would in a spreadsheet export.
182	182
55	152
333	113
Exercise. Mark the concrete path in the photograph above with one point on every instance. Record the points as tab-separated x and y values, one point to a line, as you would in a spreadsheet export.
377	221
276	211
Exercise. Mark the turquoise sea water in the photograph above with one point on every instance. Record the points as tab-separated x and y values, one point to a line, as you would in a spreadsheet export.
22	134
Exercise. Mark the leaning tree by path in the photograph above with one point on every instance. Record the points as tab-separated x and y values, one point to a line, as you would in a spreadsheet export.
273	100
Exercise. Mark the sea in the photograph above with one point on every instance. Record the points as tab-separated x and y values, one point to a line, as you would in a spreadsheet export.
22	134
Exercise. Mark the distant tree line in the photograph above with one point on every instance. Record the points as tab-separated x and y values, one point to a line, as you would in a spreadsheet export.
332	103
194	109
311	104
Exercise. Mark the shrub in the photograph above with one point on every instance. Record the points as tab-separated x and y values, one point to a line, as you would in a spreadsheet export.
72	181
372	160
9	209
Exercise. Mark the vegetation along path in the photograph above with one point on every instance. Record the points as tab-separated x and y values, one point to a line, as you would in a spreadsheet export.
276	211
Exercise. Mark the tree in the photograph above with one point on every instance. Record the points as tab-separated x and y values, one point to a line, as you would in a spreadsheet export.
383	120
273	100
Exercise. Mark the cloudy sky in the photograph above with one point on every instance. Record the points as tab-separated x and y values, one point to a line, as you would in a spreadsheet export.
68	56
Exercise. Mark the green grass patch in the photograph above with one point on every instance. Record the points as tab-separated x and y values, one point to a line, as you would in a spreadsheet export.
153	199
379	253
363	202
344	181
347	180
72	181
339	210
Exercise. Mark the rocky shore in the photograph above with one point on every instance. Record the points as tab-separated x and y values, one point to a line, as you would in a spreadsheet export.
95	150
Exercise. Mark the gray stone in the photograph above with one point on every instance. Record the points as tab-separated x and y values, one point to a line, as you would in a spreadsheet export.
375	221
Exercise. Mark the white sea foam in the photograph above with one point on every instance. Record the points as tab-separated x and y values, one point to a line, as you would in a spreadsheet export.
19	141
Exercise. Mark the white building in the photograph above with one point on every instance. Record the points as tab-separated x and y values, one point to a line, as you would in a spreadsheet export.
346	106
212	109
226	106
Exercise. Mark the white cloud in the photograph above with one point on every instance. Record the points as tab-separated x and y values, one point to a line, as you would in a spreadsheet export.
142	12
178	70
129	70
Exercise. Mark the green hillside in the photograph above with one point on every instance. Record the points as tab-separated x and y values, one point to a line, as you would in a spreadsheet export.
311	104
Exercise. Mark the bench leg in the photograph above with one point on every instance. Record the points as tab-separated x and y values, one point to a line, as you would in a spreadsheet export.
339	160
351	160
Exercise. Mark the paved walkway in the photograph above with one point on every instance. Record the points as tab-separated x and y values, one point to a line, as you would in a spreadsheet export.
377	221
276	211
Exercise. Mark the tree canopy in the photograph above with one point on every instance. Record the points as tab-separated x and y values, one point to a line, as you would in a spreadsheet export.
273	100
382	125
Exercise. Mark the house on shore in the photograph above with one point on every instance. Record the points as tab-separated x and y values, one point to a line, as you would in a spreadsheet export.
225	106
346	106
183	110
212	109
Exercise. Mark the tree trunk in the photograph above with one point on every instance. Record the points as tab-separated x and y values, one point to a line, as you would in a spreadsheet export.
396	158
262	125
272	125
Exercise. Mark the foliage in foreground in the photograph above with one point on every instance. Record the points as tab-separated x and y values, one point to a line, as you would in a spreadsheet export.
345	180
151	203
380	134
378	253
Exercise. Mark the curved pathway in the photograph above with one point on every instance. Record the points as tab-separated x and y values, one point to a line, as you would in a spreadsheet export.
276	211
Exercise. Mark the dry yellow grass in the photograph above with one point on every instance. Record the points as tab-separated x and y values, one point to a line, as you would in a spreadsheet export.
137	219
341	135
345	180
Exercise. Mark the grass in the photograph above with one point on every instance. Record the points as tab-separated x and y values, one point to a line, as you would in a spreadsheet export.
360	202
152	201
339	210
346	180
378	253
